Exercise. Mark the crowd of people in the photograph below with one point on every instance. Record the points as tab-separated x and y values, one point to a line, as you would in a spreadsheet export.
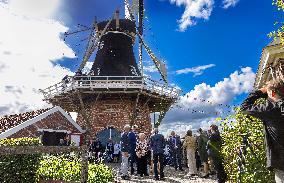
151	154
109	153
142	154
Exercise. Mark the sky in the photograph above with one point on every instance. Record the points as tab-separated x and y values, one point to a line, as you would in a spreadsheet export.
211	47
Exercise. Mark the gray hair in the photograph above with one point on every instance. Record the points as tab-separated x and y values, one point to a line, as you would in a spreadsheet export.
141	135
126	127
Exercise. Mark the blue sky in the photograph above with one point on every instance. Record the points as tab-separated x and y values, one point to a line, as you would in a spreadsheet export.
230	39
212	53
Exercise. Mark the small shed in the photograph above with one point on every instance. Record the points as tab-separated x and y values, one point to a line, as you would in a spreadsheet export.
51	125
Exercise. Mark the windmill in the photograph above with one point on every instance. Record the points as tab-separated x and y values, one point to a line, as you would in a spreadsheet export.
115	91
94	42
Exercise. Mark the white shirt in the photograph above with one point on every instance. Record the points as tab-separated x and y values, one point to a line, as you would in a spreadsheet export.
116	148
167	150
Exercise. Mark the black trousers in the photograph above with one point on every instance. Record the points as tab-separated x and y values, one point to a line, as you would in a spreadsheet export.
218	166
159	158
176	158
133	159
142	165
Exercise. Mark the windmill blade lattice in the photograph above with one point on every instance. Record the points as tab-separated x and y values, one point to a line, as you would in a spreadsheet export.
91	48
161	66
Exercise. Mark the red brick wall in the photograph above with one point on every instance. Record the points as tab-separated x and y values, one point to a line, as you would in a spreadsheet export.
55	121
116	113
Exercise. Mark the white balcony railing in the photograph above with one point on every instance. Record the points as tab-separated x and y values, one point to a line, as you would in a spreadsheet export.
109	82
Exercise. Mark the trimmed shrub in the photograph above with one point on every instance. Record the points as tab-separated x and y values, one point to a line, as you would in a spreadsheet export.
249	166
68	168
19	168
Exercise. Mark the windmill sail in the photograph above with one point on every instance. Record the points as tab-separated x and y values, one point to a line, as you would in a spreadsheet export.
93	47
131	10
161	66
135	6
127	8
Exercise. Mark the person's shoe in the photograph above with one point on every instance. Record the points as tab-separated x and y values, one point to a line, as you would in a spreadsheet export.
181	169
146	174
141	175
125	177
157	178
162	178
205	176
132	171
187	175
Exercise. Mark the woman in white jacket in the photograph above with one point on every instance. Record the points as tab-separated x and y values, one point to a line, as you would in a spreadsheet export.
190	145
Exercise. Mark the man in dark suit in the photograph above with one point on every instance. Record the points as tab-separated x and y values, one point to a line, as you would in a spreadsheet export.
132	146
125	152
176	150
157	144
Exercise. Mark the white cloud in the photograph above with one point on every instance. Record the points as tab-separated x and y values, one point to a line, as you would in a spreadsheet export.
229	3
194	9
223	92
29	48
34	8
150	68
196	70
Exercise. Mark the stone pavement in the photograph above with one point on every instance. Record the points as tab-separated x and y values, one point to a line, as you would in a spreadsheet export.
171	175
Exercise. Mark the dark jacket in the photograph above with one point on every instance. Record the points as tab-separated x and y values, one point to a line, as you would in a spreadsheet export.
272	115
132	141
175	143
125	142
157	143
214	145
201	146
96	146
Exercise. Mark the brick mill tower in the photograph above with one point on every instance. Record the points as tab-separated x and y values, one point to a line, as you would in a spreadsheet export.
115	91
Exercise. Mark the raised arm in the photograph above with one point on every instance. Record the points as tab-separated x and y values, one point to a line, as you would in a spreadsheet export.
250	107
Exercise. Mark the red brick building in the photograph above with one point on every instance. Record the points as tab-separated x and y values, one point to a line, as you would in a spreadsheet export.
116	113
52	121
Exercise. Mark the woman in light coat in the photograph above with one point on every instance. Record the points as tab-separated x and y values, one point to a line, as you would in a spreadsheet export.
190	145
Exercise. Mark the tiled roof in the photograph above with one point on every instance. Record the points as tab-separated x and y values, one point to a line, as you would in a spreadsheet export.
10	121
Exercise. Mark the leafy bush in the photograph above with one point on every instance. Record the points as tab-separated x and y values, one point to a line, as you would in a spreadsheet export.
19	168
69	169
236	128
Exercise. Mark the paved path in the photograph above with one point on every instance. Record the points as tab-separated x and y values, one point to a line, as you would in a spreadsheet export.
171	175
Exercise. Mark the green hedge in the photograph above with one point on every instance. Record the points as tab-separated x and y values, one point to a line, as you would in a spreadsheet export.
19	168
68	168
254	163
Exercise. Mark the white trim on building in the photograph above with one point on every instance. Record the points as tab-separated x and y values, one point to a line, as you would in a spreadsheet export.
32	121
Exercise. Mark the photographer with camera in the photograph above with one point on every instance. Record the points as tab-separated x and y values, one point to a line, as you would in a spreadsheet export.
271	112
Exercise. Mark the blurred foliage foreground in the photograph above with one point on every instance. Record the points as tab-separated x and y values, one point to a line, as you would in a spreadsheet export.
32	168
244	149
